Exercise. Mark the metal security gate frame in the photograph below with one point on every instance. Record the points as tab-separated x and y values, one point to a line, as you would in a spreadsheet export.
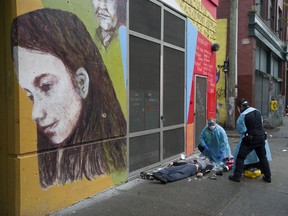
200	98
150	133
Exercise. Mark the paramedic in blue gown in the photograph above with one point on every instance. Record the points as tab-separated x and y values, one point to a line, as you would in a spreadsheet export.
253	146
214	143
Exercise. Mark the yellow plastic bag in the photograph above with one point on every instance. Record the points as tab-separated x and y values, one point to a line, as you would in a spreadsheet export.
252	173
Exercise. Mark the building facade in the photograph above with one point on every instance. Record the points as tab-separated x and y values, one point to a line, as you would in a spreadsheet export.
261	55
93	92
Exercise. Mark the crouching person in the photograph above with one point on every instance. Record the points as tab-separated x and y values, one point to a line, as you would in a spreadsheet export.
214	143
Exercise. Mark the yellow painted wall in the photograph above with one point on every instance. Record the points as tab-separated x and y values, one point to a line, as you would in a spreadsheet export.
20	191
9	117
36	201
190	139
200	17
220	58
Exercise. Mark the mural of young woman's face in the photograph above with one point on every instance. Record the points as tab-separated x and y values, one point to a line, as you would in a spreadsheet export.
57	103
106	13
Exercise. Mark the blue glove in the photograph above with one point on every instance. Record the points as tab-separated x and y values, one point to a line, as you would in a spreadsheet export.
206	148
219	155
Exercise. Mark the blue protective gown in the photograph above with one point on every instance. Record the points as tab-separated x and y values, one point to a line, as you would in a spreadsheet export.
241	128
217	143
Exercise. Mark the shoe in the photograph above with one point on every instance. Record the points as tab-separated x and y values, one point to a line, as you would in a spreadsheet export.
145	175
267	179
233	178
220	173
160	178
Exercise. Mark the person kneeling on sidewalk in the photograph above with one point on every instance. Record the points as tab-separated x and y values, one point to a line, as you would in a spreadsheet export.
214	144
250	125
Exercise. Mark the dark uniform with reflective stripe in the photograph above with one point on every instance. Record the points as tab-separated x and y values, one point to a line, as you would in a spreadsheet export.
254	140
255	131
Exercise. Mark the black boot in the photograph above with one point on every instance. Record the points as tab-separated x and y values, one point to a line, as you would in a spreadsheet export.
233	178
267	179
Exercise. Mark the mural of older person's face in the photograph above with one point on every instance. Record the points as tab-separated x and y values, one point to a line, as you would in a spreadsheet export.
56	101
106	13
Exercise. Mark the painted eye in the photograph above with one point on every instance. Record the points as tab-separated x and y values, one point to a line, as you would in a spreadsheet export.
30	96
46	87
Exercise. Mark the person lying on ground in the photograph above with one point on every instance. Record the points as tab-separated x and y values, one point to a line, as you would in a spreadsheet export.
180	170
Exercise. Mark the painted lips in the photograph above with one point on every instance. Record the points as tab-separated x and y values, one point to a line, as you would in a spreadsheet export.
103	15
48	129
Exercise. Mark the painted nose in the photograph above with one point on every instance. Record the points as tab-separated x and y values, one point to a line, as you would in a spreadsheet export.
102	3
38	111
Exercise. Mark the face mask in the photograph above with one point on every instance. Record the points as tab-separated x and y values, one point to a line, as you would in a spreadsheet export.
238	109
212	127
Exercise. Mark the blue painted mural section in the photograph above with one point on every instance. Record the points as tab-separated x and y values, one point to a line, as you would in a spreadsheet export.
191	40
123	44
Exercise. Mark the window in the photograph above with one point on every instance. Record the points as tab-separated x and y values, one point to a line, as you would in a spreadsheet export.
274	67
272	13
144	82
156	83
174	29
145	18
279	26
261	63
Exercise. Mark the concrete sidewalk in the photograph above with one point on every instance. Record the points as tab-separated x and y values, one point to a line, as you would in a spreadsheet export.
200	197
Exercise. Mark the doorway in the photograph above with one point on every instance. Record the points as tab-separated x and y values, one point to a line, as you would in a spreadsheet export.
200	106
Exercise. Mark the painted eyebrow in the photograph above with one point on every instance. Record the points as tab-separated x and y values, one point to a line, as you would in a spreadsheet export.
38	79
27	90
